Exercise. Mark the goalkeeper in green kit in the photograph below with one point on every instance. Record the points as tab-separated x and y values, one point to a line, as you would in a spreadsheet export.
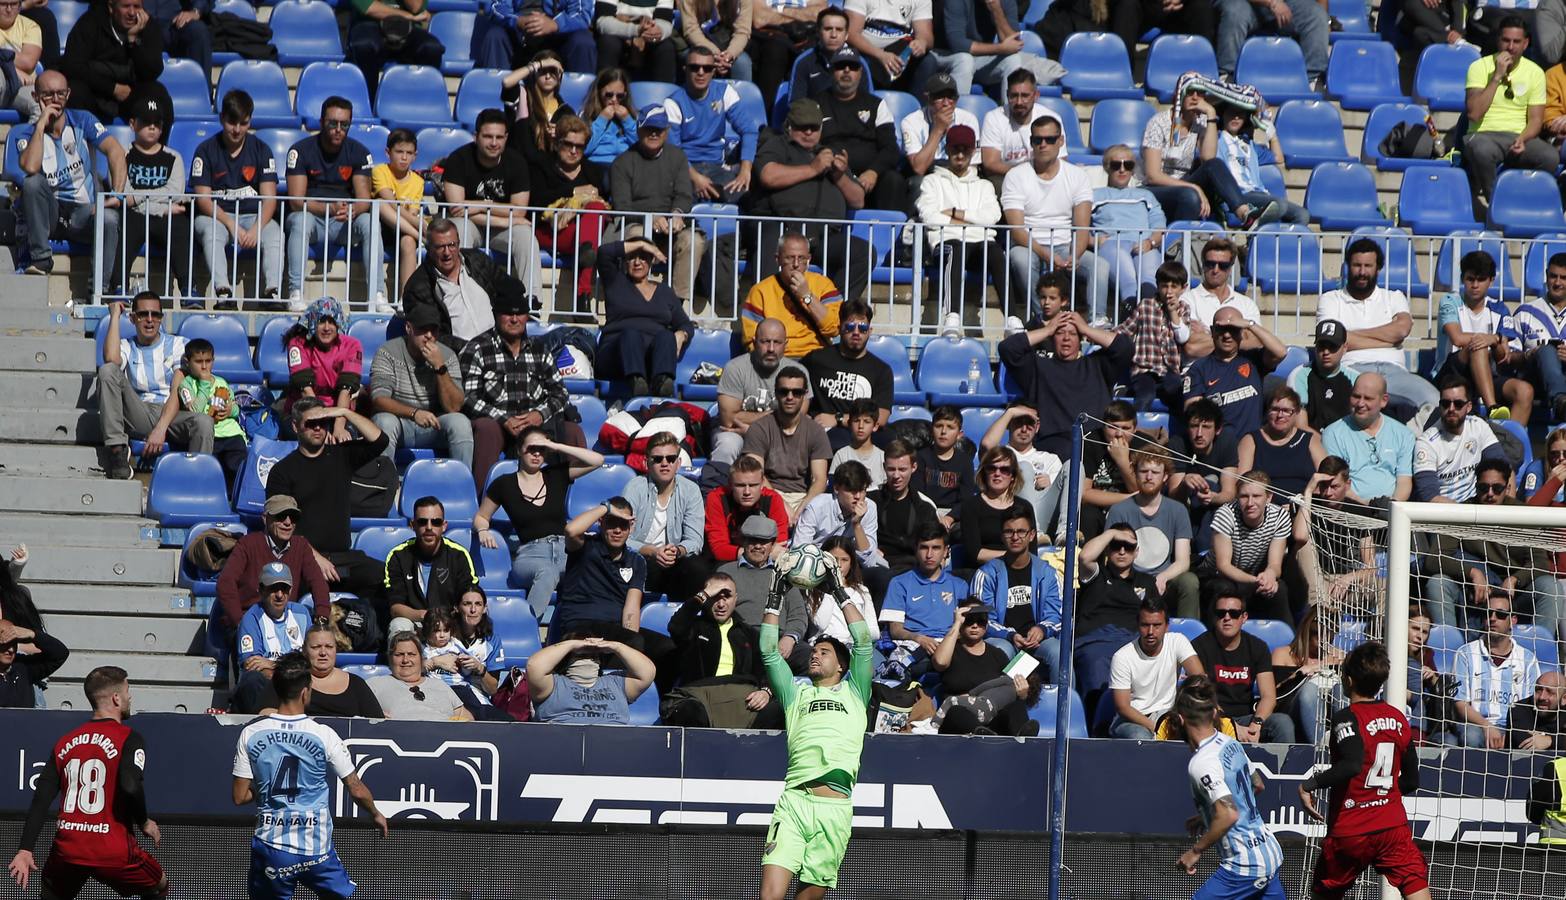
826	733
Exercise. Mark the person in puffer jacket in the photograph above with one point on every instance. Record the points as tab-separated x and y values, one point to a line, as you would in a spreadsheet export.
1128	227
956	197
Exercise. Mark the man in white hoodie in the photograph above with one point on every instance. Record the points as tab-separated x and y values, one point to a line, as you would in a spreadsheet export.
957	199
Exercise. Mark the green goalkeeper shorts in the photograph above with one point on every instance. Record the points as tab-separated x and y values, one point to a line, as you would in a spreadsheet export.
809	835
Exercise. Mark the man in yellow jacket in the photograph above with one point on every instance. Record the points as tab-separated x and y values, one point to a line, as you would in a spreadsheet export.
805	302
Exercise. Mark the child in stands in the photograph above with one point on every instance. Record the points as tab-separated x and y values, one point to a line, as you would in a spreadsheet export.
862	416
200	391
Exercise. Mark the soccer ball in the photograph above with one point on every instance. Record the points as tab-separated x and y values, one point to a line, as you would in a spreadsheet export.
805	566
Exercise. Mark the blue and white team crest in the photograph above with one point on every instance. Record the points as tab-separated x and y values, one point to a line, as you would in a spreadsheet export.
456	781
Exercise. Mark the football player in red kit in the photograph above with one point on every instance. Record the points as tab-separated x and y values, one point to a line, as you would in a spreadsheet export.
1373	765
97	771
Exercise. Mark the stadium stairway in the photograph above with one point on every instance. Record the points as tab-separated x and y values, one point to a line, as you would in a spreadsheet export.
96	570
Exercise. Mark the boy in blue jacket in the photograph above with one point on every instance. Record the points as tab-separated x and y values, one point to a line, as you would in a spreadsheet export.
1023	594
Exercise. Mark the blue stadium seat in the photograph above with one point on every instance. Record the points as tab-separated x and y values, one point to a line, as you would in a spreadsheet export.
1311	133
185	135
479	90
371	332
1073	127
320	80
189	89
281	140
1173	55
492	567
894	353
1293	359
373	137
1441	76
943	368
66	12
977	419
263	80
1401	270
1448	278
241	8
1119	122
455	30
515	626
750	100
656	616
978	104
305	31
1275	633
187	489
271	359
574	87
250	492
644	709
1541	643
1148	420
1191	628
1526	204
881	229
707	345
230	344
1097	67
1351	15
899	104
597	486
365	670
377	541
1045	713
199	582
101	335
1381	121
1520	432
1537	259
447	479
1444	642
1435	200
909	411
1362	74
413	97
712	219
1342	196
593	413
644	93
436	143
1276	67
1287	259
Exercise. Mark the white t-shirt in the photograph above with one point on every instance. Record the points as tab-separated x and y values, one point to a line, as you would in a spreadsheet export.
1356	315
1046	205
916	130
1043	462
1014	141
1150	679
1204	305
657	533
1452	457
888	20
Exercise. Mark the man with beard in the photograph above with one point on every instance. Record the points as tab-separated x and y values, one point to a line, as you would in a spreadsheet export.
745	391
1378	321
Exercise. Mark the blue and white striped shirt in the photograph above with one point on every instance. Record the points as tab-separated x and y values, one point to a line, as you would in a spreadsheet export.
1220	769
1493	689
1538	322
289	760
150	367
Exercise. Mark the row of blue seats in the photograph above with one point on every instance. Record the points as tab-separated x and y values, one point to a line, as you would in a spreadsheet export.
1445	640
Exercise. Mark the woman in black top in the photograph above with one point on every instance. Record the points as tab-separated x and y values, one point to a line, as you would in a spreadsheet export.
534	117
333	692
1281	448
963	658
984	513
562	185
535	501
646	326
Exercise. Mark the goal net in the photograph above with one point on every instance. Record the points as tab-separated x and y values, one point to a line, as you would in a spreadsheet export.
1424	579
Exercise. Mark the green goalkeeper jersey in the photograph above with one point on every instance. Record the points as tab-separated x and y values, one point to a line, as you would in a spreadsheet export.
826	725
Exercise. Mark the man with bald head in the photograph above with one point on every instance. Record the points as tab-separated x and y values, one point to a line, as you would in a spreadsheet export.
745	392
59	190
1535	724
1231	376
1378	449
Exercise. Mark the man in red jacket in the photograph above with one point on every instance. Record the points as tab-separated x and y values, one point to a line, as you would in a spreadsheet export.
746	496
238	585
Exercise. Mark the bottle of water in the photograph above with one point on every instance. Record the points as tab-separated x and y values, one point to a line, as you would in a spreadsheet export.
971	386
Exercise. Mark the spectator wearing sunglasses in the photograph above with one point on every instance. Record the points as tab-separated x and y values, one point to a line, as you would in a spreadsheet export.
670	520
1128	228
697	121
792	447
1231	377
847	371
1111	593
269	629
1447	454
1203	301
1505	106
859	123
135	389
427	571
1241	668
238	587
1048	206
408	693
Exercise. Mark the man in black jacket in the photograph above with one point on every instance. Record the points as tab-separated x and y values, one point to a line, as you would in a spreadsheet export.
458	283
427	571
725	690
113	58
861	124
20	674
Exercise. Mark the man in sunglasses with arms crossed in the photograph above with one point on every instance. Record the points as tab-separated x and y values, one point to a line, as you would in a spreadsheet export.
826	732
133	389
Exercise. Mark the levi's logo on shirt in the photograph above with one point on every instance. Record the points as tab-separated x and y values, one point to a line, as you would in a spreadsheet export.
1232	674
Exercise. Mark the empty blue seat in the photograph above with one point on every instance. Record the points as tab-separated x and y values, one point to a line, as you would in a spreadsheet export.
1097	67
881	229
707	345
645	93
1276	67
593	413
230	344
373	137
714	219
1526	204
66	12
1444	642
1400	271
1047	710
189	89
447	479
644	709
413	97
455	30
1440	80
751	101
1287	259
1276	634
281	140
1311	133
184	135
1191	628
1466	240
1119	122
597	486
1362	74
894	353
515	626
436	143
241	8
250	492
492	566
1076	146
479	90
977	419
1541	643
978	104
656	616
574	87
271	357
364	670
200	582
371	332
1173	55
320	80
944	367
305	31
378	541
1537	260
899	105
1435	200
188	488
1342	196
263	80
1381	121
1352	16
909	411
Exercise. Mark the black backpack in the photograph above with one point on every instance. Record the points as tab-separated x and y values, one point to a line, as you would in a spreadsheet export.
372	489
1409	141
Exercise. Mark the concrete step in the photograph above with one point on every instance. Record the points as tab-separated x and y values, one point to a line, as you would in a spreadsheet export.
23	291
96	496
102	565
121	532
38	316
156	668
144	634
55	460
112	600
67	694
47	390
50	425
47	352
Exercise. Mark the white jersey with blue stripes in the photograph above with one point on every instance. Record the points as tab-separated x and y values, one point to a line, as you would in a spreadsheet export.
1220	769
291	761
